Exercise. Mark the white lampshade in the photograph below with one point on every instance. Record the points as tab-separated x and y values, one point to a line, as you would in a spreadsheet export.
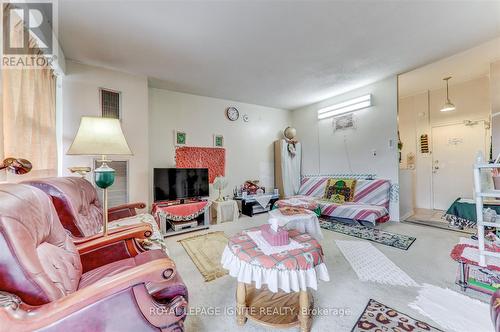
99	136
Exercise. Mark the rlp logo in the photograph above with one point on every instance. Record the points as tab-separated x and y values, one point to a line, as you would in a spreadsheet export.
27	28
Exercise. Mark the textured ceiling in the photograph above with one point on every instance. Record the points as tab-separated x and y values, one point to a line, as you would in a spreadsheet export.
274	53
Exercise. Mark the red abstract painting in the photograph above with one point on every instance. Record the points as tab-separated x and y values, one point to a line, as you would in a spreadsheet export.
196	157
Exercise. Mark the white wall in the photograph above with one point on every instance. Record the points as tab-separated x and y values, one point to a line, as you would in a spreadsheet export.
495	106
419	113
249	145
81	97
326	151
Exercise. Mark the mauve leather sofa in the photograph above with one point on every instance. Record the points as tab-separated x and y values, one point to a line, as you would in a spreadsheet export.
46	286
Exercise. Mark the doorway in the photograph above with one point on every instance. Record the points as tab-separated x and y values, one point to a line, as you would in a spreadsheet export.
446	112
454	149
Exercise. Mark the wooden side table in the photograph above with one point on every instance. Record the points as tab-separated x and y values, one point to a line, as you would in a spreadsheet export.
225	211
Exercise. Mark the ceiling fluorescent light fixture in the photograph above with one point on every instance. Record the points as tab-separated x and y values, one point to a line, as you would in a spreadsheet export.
347	106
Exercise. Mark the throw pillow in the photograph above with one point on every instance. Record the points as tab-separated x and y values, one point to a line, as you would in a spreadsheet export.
340	190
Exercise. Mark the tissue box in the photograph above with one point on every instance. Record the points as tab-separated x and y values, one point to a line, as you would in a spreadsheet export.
279	238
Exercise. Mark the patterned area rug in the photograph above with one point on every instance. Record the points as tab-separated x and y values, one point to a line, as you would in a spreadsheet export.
379	317
370	264
206	252
399	241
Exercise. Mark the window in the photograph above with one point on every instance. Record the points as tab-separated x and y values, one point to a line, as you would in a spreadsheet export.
110	103
28	111
118	192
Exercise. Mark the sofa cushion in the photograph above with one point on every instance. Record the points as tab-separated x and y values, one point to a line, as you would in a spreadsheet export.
38	260
339	190
76	202
111	269
313	186
373	192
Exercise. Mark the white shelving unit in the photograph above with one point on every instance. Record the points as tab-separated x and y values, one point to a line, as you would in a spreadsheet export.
480	195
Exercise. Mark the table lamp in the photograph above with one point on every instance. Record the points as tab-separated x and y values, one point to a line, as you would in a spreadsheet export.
99	136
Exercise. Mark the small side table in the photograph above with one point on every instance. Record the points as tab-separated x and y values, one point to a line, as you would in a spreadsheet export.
225	211
303	220
250	207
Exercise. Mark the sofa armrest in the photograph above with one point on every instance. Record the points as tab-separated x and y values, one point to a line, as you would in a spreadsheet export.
141	231
124	210
22	317
104	250
111	231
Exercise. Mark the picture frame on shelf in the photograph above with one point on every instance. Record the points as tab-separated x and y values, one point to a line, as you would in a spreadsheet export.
180	138
218	141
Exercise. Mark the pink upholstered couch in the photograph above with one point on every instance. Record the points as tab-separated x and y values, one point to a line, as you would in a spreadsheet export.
46	285
370	203
80	211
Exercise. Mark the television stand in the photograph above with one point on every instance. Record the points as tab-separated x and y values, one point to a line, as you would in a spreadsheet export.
181	216
250	207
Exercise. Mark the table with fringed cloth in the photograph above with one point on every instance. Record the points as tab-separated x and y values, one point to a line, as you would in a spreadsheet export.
462	213
275	280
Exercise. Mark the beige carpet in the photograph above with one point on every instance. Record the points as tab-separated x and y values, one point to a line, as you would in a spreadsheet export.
206	251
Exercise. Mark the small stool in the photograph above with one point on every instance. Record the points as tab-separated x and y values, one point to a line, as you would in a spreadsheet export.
225	211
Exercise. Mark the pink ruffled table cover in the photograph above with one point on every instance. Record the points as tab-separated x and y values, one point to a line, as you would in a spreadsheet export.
180	212
292	270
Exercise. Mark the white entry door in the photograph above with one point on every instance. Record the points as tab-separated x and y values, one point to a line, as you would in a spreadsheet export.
454	149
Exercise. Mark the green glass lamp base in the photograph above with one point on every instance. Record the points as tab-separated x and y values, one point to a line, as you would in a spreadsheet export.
104	177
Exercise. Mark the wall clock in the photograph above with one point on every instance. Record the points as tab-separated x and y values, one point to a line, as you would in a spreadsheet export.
232	113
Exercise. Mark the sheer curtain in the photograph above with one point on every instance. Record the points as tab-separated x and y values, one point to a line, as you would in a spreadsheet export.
29	119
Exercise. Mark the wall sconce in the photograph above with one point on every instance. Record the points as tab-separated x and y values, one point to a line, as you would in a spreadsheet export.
347	106
16	165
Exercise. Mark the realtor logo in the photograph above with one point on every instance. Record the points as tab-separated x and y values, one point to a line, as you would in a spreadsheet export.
28	32
27	28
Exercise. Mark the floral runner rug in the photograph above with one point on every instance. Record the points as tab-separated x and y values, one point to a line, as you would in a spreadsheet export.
399	241
206	251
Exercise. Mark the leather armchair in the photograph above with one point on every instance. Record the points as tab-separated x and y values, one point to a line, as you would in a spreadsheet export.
78	206
76	202
47	286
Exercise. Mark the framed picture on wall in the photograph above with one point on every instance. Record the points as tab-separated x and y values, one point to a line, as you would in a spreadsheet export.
218	141
180	137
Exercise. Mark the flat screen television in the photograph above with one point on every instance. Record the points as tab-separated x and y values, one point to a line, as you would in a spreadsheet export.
179	183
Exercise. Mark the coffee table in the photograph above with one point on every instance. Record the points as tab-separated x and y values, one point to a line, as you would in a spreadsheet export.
274	289
301	219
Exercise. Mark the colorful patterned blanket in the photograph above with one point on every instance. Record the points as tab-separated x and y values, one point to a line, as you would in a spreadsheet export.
462	213
370	202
